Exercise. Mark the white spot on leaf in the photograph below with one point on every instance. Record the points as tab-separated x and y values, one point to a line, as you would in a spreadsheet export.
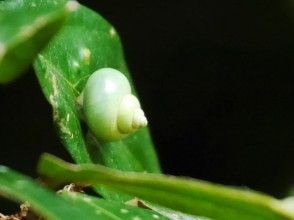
155	216
72	6
124	211
53	97
85	55
112	32
75	64
64	128
86	199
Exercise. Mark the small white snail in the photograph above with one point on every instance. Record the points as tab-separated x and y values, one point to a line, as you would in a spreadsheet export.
109	108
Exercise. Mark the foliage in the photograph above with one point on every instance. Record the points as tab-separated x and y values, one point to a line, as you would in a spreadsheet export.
187	195
24	31
68	206
66	42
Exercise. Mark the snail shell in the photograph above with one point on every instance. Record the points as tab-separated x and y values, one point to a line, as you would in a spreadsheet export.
110	109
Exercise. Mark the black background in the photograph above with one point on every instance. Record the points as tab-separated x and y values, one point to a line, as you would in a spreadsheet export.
216	82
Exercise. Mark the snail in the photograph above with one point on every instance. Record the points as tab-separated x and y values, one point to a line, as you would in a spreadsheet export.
109	108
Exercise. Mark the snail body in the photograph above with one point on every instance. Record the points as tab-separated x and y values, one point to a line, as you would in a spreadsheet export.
110	109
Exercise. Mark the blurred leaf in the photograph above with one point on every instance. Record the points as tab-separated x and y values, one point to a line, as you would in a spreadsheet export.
21	188
24	31
72	206
186	195
175	215
86	43
111	210
169	213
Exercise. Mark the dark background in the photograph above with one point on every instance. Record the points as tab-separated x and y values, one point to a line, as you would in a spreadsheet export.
216	82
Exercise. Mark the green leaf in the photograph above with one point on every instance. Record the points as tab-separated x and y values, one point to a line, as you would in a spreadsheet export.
111	210
24	31
21	188
169	213
186	195
72	206
172	214
86	43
